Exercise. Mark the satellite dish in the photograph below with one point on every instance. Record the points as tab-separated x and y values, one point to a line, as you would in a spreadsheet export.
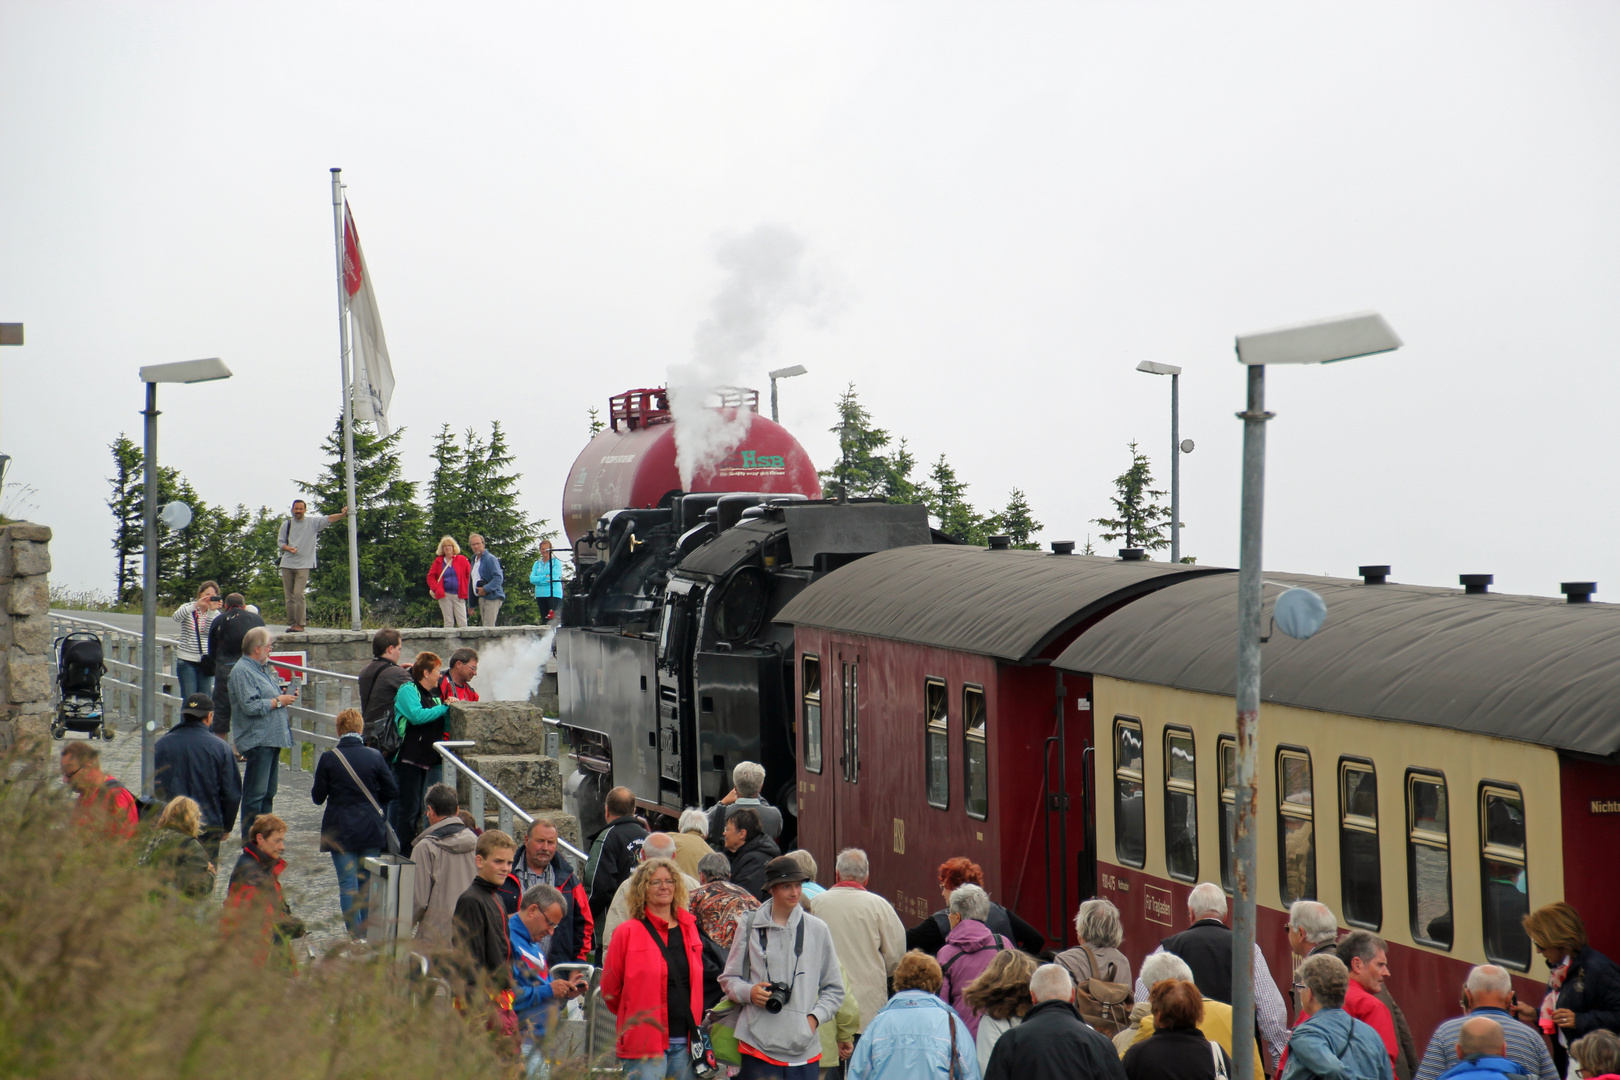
176	515
1186	446
1299	613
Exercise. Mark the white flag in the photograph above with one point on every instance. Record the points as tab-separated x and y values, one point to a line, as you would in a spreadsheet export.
373	374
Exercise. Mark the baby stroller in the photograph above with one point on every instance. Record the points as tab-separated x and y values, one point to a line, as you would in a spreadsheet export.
79	669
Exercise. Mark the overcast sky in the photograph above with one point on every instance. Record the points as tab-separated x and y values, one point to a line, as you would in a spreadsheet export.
1009	205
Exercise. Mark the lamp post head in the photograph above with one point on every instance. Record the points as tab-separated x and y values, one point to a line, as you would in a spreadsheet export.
788	372
1155	368
186	371
1321	341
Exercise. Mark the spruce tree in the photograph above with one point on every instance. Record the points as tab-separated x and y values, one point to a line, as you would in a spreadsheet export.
395	550
1017	522
1140	521
946	498
128	492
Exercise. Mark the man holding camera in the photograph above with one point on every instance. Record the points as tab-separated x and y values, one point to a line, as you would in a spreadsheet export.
783	970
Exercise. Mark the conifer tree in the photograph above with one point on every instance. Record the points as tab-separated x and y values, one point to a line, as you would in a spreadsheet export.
946	498
1140	521
127	483
1017	522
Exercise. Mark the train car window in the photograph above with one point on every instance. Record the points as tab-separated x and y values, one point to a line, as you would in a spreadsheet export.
1503	874
852	723
1296	826
1360	875
1180	806
1226	760
812	712
1130	825
937	739
976	756
1428	859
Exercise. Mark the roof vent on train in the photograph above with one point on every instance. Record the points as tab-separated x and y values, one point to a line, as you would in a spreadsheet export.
1063	547
1001	543
1476	584
1132	555
1578	592
1373	575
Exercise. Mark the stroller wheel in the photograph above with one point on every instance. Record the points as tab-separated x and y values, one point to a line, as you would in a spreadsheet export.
57	731
107	733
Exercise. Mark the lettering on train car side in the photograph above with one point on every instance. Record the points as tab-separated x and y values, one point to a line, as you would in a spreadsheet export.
899	836
1115	884
1156	904
1606	806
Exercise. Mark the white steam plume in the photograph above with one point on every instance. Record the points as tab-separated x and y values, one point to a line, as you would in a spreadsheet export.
511	669
765	277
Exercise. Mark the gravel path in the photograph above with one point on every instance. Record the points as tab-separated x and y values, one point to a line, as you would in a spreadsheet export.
309	882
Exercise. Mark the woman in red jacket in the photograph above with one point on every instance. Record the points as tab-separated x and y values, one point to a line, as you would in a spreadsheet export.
653	979
448	579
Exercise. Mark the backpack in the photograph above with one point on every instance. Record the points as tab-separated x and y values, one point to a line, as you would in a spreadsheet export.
147	807
1103	1004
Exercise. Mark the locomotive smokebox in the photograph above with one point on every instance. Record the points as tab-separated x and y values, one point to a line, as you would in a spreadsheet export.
631	462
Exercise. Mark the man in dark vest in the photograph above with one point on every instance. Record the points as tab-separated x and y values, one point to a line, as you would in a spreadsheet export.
1206	946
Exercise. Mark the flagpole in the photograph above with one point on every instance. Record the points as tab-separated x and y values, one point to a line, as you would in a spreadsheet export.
348	403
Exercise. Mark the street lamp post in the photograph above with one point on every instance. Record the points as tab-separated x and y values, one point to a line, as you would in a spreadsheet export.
782	373
187	371
1176	451
1320	342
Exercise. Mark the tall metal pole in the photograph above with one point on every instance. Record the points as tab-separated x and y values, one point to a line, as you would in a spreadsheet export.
774	418
348	403
1248	718
148	718
1175	468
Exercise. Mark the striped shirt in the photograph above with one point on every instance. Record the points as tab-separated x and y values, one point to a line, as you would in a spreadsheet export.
1524	1045
193	635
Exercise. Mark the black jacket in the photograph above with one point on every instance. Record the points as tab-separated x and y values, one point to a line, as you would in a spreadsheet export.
1206	945
1053	1043
349	823
479	932
1175	1054
226	633
1591	991
748	864
620	849
380	680
192	761
930	934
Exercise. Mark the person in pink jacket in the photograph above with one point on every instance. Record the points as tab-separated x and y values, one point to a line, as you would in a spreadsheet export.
968	950
448	579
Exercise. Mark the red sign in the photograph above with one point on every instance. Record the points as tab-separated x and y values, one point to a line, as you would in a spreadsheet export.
277	659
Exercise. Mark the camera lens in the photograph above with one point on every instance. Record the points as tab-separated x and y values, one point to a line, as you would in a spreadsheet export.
773	1004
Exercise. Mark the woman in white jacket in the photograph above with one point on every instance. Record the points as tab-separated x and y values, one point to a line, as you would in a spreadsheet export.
194	619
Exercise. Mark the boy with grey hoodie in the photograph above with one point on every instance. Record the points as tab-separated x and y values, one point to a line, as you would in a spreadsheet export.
780	945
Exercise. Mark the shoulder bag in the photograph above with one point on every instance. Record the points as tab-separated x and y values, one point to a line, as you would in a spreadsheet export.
205	666
1220	1059
390	837
698	1047
951	1050
1103	1004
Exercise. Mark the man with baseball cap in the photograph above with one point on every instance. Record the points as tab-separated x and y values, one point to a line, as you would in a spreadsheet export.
782	956
192	761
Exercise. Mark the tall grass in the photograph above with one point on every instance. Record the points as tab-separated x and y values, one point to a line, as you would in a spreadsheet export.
99	979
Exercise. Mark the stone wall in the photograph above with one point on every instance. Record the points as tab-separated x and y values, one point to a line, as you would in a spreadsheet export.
349	651
511	754
25	635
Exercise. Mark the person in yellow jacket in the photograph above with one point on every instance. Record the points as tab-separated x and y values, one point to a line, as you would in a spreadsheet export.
1217	1022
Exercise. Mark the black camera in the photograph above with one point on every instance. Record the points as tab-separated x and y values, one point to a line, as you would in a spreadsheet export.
780	994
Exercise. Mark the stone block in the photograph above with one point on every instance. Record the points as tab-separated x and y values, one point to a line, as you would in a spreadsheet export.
27	530
28	596
29	557
31	634
528	780
27	678
499	727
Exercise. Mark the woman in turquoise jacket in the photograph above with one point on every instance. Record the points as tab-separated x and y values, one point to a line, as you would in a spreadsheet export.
419	716
547	579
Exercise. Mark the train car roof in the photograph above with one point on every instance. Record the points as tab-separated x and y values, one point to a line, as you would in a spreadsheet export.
1006	604
1517	667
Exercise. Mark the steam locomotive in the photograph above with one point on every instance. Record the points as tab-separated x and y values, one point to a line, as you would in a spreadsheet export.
671	665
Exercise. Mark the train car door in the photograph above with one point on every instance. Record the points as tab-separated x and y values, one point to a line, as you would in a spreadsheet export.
851	660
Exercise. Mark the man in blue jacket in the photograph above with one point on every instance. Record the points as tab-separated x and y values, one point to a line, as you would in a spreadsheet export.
488	581
191	761
534	989
1331	1044
1482	1051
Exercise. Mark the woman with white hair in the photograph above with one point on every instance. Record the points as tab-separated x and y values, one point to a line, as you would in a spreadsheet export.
1098	926
968	950
691	841
1216	1023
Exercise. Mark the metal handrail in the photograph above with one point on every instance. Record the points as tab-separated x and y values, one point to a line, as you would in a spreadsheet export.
108	626
509	809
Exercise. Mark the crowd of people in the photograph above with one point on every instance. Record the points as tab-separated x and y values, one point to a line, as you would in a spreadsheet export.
721	954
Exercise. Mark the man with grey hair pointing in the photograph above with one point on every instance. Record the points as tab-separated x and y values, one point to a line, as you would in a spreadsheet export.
867	933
